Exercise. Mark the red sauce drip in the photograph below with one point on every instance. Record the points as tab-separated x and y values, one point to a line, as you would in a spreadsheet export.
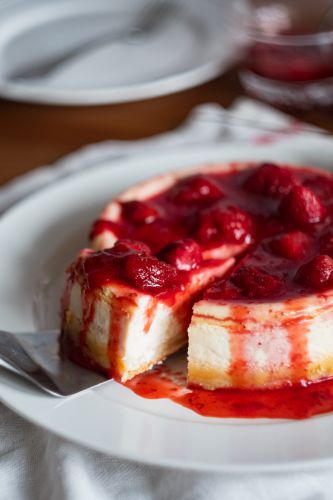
299	357
238	369
64	304
297	335
150	315
296	402
88	314
102	225
120	308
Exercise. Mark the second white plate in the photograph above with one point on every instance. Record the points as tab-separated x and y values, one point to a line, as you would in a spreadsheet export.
191	46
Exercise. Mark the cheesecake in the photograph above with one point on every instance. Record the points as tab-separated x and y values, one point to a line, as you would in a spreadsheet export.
247	247
124	310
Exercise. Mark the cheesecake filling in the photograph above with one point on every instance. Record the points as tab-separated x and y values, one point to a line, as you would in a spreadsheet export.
250	346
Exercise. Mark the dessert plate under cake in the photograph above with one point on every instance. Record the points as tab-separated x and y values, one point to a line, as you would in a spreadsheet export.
33	258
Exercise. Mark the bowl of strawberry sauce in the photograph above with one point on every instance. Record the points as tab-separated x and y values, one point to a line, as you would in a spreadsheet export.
289	56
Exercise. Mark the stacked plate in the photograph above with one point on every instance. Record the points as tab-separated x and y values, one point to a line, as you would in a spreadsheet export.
188	45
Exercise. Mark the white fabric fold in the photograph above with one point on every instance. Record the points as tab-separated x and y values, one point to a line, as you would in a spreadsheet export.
36	465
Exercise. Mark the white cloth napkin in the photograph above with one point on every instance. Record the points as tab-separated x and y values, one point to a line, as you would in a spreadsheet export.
36	465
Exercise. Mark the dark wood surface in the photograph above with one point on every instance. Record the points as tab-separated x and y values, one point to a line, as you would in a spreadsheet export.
33	135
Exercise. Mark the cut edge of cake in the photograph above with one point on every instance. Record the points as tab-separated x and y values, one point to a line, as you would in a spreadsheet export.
264	344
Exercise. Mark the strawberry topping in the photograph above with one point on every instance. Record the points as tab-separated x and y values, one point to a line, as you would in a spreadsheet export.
317	273
183	254
271	180
302	206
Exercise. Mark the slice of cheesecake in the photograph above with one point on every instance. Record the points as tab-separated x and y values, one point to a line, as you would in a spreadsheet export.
124	310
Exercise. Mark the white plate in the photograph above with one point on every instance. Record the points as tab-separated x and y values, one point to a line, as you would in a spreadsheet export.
191	47
38	238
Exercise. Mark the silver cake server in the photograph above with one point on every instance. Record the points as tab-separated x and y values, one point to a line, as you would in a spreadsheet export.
37	358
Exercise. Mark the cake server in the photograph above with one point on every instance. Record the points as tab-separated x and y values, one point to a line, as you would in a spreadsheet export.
37	358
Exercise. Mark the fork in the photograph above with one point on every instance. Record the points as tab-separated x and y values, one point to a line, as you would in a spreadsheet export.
147	21
37	358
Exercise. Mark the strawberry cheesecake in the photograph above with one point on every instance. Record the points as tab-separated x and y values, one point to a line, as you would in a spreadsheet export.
125	310
247	247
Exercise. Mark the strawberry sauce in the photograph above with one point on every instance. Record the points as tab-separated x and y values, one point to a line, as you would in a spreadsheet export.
295	402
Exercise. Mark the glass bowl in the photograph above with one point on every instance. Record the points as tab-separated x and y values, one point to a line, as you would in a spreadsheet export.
289	52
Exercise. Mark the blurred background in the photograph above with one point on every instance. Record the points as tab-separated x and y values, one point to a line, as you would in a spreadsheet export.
74	72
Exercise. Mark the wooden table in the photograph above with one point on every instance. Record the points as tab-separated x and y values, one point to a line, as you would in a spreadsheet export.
33	135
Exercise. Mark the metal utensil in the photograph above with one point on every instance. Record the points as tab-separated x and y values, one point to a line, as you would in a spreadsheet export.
155	12
36	357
